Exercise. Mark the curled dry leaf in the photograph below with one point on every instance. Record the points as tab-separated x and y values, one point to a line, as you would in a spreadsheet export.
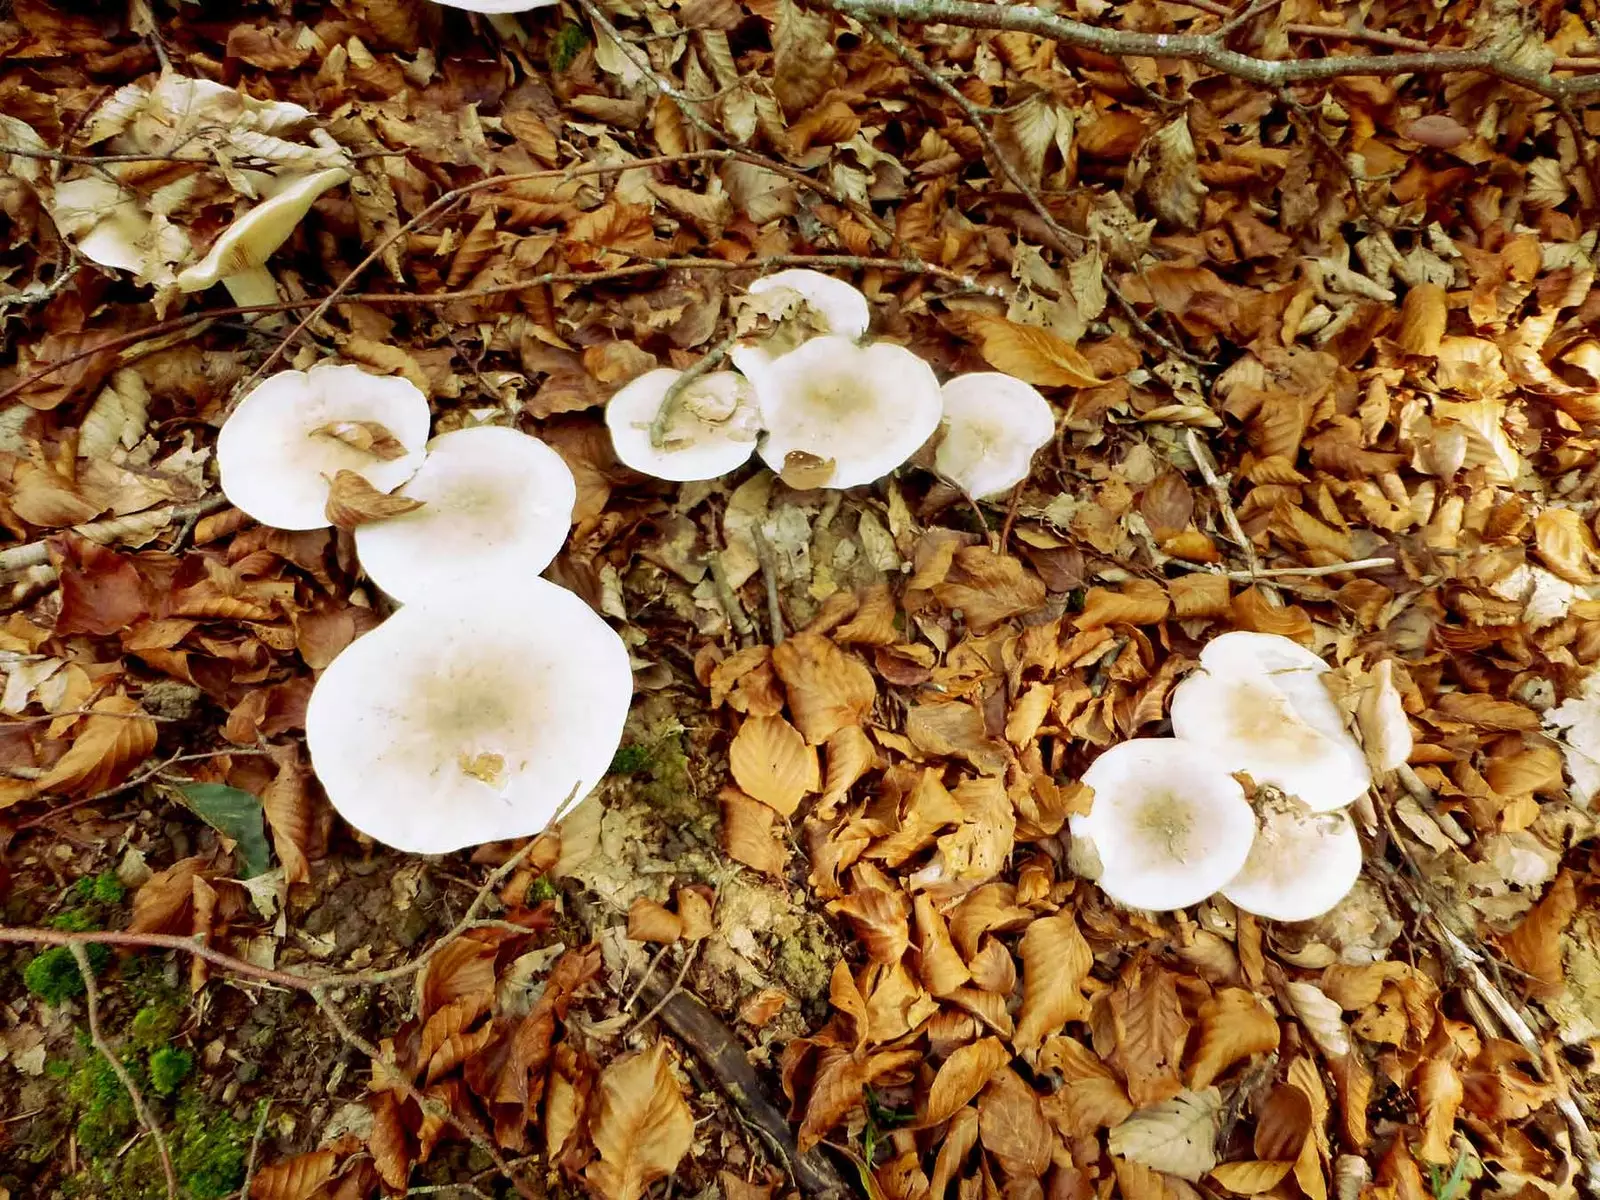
352	501
651	921
1029	353
163	902
1234	1024
1320	1017
641	1126
772	762
111	741
1439	1095
1535	944
827	687
961	1077
286	801
297	1178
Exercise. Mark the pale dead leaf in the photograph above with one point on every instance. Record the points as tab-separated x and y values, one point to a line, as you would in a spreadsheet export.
1251	1178
1033	355
352	501
1177	1136
641	1127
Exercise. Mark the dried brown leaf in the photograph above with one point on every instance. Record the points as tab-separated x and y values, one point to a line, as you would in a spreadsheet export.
1251	1178
803	56
961	1077
747	833
1535	944
641	1126
827	688
1233	1025
651	921
772	762
1029	353
297	1178
352	501
1055	963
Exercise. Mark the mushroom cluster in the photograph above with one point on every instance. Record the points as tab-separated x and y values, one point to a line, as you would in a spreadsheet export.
822	406
145	217
491	696
1170	824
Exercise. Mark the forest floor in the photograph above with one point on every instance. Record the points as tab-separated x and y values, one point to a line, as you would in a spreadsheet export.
1312	297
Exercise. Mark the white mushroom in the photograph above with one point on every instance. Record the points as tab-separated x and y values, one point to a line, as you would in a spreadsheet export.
494	502
237	259
1258	704
993	423
458	723
1301	865
833	305
710	431
841	415
1168	825
496	6
280	449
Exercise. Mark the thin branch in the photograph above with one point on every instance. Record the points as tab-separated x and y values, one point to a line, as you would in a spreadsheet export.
1201	454
1338	568
111	529
673	399
1207	50
255	1146
91	1002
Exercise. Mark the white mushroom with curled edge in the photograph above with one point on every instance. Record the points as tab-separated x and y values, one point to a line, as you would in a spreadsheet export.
800	304
1258	704
840	415
494	501
1301	864
993	425
1168	826
457	723
282	446
497	6
709	428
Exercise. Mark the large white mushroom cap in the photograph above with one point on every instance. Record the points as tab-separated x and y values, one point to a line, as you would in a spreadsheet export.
839	307
458	723
711	431
496	6
993	423
1258	704
1168	825
287	439
1301	865
864	409
493	501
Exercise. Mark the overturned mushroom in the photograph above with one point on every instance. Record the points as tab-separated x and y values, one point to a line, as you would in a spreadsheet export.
493	501
1257	703
237	259
839	415
993	423
282	446
1301	864
455	723
709	429
1168	826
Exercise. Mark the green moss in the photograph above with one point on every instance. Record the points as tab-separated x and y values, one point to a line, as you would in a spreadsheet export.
541	889
568	43
52	975
629	760
209	1149
169	1067
74	920
154	1024
104	888
105	1110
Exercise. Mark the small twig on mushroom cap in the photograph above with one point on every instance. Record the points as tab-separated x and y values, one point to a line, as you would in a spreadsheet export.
91	1003
674	397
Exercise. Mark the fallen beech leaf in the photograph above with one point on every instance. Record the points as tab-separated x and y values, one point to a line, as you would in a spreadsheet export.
388	1144
651	921
352	501
761	1007
1423	314
747	833
1475	708
989	588
1147	1017
463	969
803	56
162	903
286	801
694	910
879	920
938	965
959	1138
1535	944
1012	1127
1233	1025
827	688
296	1178
1251	1178
1283	1124
102	591
1090	1097
841	1083
1381	716
1439	1096
1566	544
1055	963
961	1077
850	755
771	762
1029	353
1177	1136
641	1126
109	744
1139	602
367	436
1135	1181
1320	1017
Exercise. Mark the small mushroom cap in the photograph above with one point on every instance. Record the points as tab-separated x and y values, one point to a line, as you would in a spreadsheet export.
1258	704
993	423
712	432
865	409
842	307
458	723
1301	864
277	466
251	239
496	6
494	501
1170	826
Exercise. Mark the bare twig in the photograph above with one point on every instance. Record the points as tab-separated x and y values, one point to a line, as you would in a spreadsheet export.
769	576
1338	568
673	399
255	1146
674	990
1202	456
112	529
1208	50
91	1003
732	609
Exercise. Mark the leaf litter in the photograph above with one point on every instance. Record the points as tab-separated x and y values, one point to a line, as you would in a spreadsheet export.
1281	333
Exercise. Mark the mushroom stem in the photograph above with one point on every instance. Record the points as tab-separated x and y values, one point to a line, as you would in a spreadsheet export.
670	402
252	287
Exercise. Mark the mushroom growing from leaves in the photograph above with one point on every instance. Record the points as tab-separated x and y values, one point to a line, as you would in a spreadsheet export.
709	429
1168	825
237	259
494	502
1301	864
1257	703
282	446
800	304
455	723
993	423
839	415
